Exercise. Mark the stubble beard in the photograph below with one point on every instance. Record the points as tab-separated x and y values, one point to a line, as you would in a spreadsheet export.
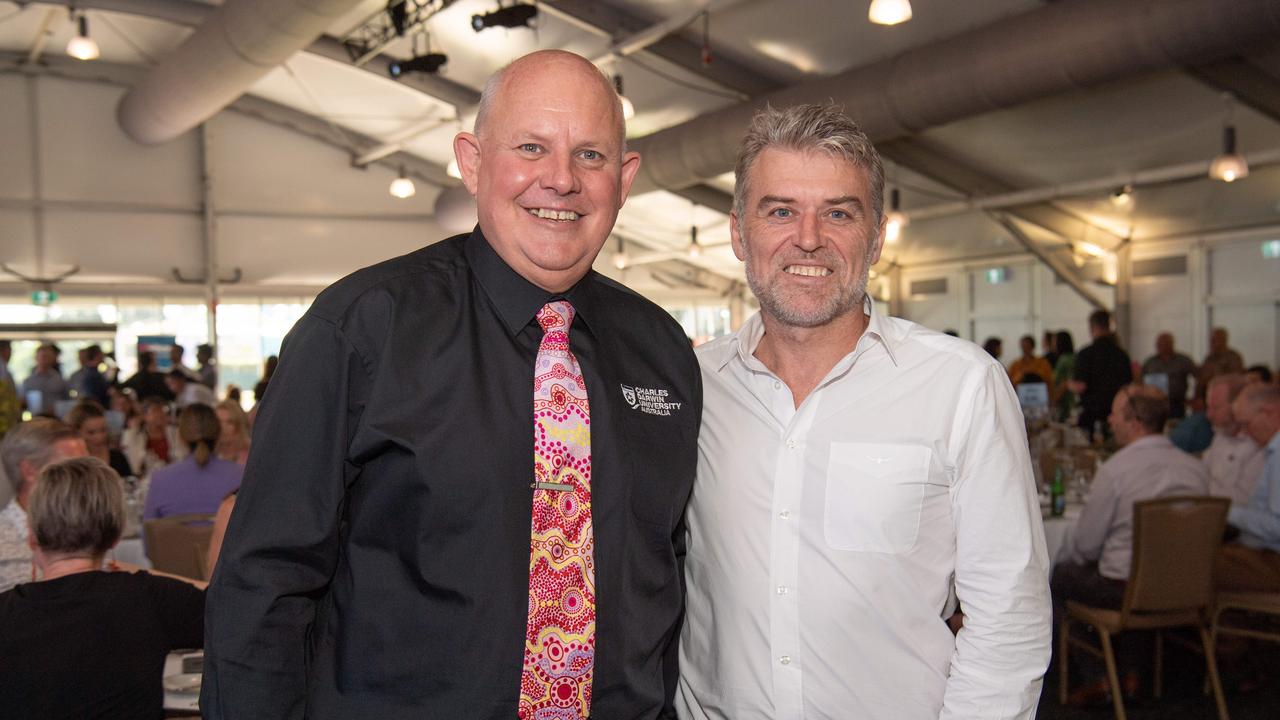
781	305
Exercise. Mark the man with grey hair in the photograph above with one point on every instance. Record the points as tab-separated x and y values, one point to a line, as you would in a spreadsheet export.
1233	459
856	474
403	545
26	450
1253	564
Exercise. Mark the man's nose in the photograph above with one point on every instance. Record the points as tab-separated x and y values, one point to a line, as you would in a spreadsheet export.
559	173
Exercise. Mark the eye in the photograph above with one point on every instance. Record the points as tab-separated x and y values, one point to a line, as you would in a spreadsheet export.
591	155
531	148
840	215
782	213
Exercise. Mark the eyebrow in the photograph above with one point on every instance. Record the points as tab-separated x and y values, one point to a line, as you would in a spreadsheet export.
842	200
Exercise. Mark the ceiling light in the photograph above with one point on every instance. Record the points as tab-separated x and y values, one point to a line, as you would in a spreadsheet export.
453	170
895	220
402	187
695	250
620	258
628	110
429	63
1090	249
82	47
1122	196
512	16
889	12
1230	165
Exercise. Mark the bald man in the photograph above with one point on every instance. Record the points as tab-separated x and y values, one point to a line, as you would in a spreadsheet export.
467	483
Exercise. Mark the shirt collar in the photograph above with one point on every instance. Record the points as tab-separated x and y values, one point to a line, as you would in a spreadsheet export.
744	342
517	300
1153	439
1274	445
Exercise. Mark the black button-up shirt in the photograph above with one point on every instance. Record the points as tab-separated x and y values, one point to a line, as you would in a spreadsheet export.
377	562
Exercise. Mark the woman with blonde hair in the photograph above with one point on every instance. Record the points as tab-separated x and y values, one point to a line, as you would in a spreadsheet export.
198	483
233	442
83	642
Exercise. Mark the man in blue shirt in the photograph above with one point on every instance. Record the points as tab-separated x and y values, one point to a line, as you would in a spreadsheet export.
1253	565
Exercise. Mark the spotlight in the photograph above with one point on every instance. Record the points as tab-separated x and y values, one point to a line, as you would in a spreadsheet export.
512	16
402	187
429	63
82	47
889	12
695	250
1122	196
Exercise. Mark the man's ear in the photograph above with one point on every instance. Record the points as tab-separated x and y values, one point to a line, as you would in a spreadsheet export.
466	150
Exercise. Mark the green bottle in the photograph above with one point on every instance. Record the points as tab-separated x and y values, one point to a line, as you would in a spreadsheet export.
1057	494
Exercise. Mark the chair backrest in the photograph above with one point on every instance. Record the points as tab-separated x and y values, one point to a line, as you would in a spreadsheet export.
173	543
1175	543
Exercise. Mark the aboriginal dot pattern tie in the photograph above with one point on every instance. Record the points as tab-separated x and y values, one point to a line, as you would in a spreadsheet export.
559	650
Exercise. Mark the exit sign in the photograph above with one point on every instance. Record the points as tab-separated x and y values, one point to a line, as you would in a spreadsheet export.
1271	249
43	298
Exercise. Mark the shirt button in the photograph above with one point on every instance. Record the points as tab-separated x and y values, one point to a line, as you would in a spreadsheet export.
791	444
785	514
785	659
782	589
777	385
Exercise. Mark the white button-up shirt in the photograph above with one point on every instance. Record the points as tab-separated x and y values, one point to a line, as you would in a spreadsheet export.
827	543
1235	464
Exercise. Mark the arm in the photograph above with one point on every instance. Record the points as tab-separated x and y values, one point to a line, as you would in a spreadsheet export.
282	543
1261	517
1002	565
220	521
1095	518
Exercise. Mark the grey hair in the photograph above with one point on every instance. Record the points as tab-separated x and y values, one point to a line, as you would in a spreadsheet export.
1261	395
77	507
826	128
493	85
32	441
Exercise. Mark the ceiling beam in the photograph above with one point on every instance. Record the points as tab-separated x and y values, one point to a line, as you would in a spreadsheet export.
926	158
1248	83
1060	268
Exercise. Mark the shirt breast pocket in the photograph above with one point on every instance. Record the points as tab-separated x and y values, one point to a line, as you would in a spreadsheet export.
875	493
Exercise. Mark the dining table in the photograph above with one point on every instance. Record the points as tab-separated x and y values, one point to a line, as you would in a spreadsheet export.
1058	531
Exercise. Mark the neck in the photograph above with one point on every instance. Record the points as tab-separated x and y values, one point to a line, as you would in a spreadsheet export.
802	356
102	453
63	565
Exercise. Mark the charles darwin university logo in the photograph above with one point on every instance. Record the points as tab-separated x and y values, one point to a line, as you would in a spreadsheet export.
654	401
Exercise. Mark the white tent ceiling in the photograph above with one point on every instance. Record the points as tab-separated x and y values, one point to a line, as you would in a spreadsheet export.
1141	122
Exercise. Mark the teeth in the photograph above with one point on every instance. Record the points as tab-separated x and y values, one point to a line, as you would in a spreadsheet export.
807	270
547	214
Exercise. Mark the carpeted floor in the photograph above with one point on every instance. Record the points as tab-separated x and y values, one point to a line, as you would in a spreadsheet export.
1183	683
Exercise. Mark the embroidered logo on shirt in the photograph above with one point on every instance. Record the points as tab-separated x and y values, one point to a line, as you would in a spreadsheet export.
649	400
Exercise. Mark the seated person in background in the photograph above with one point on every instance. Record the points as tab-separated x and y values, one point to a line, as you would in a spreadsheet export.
84	643
1147	466
89	421
994	347
1258	373
154	443
1234	460
233	442
198	483
187	391
1028	367
1253	564
26	450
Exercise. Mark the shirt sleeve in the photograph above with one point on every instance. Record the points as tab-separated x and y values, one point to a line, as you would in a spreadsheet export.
1002	565
1261	517
282	543
1090	532
180	609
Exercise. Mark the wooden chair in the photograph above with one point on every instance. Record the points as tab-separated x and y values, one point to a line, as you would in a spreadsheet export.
174	543
1252	602
1175	541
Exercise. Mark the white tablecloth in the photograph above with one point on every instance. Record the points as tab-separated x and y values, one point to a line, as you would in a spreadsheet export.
173	700
1058	532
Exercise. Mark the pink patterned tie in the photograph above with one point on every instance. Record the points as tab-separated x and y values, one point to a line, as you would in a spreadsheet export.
560	641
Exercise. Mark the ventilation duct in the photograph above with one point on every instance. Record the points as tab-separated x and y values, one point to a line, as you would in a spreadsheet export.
1063	46
240	43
